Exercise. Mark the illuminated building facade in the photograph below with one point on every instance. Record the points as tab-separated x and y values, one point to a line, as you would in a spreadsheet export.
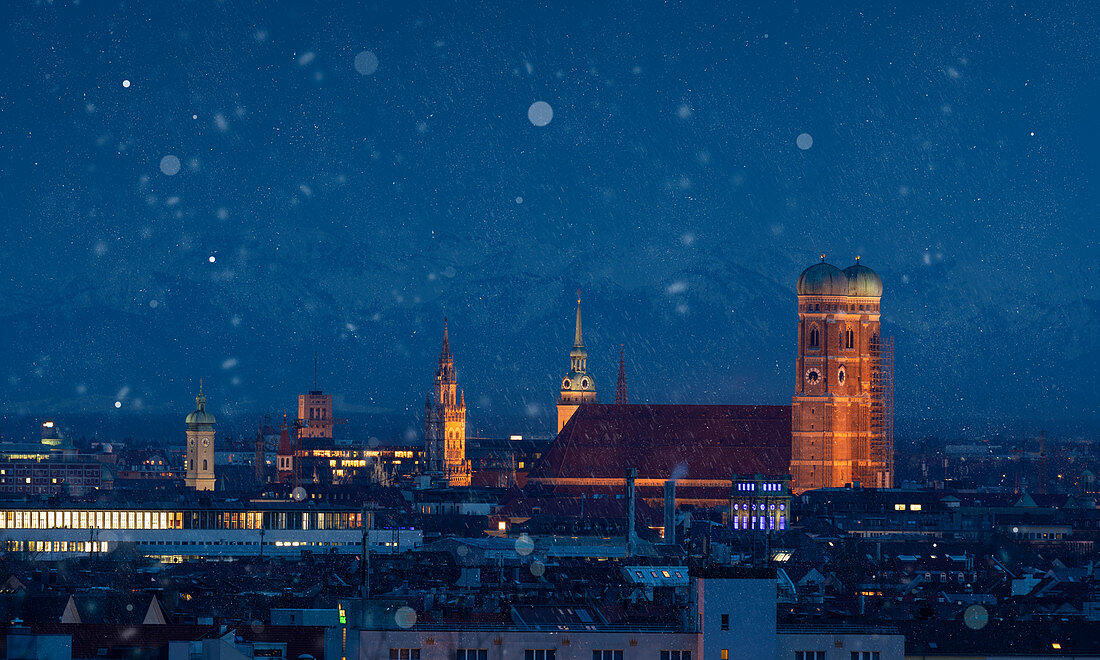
842	428
315	415
50	477
192	532
445	421
577	387
199	460
759	503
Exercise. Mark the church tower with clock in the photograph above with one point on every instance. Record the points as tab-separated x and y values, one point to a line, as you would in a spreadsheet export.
199	459
841	417
577	387
445	421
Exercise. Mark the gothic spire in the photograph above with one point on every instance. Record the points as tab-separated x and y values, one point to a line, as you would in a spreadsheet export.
620	388
578	341
445	354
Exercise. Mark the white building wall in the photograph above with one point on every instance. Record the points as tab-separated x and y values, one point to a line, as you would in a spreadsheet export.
748	606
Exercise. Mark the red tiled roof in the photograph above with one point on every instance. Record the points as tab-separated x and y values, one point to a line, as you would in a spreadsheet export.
694	442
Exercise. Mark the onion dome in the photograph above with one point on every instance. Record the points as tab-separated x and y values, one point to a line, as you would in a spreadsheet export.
200	416
863	282
822	279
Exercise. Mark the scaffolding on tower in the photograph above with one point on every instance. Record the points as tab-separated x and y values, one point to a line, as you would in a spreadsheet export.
882	411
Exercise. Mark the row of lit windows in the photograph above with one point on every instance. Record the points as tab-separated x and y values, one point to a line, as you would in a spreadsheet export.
834	307
751	486
912	507
180	520
737	506
91	520
55	546
744	521
349	454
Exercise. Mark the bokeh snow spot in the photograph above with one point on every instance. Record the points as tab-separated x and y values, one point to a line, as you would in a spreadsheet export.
540	113
170	165
366	63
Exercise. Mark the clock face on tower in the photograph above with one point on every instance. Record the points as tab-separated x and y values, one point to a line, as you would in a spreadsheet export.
192	442
813	376
206	442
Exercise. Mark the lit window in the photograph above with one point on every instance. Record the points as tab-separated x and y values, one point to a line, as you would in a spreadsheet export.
899	507
725	654
502	526
914	507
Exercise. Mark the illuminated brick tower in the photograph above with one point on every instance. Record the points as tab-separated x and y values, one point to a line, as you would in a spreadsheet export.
199	460
577	387
315	411
445	421
841	418
315	415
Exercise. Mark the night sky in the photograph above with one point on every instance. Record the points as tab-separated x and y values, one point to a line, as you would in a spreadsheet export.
218	190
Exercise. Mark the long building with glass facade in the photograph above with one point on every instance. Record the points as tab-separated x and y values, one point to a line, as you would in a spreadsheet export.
195	531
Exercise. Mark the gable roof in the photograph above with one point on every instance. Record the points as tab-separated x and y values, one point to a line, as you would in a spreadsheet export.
602	441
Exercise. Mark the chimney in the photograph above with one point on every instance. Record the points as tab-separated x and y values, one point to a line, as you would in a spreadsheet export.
670	512
631	475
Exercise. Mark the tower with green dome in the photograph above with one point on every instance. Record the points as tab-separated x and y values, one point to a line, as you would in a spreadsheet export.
199	461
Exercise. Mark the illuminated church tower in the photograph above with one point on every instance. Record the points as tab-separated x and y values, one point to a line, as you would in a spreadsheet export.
445	421
199	460
842	429
577	387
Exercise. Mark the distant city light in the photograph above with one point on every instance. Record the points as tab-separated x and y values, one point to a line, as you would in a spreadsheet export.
118	404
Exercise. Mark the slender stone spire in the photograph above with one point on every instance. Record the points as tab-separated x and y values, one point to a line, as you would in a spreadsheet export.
620	388
445	354
578	342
